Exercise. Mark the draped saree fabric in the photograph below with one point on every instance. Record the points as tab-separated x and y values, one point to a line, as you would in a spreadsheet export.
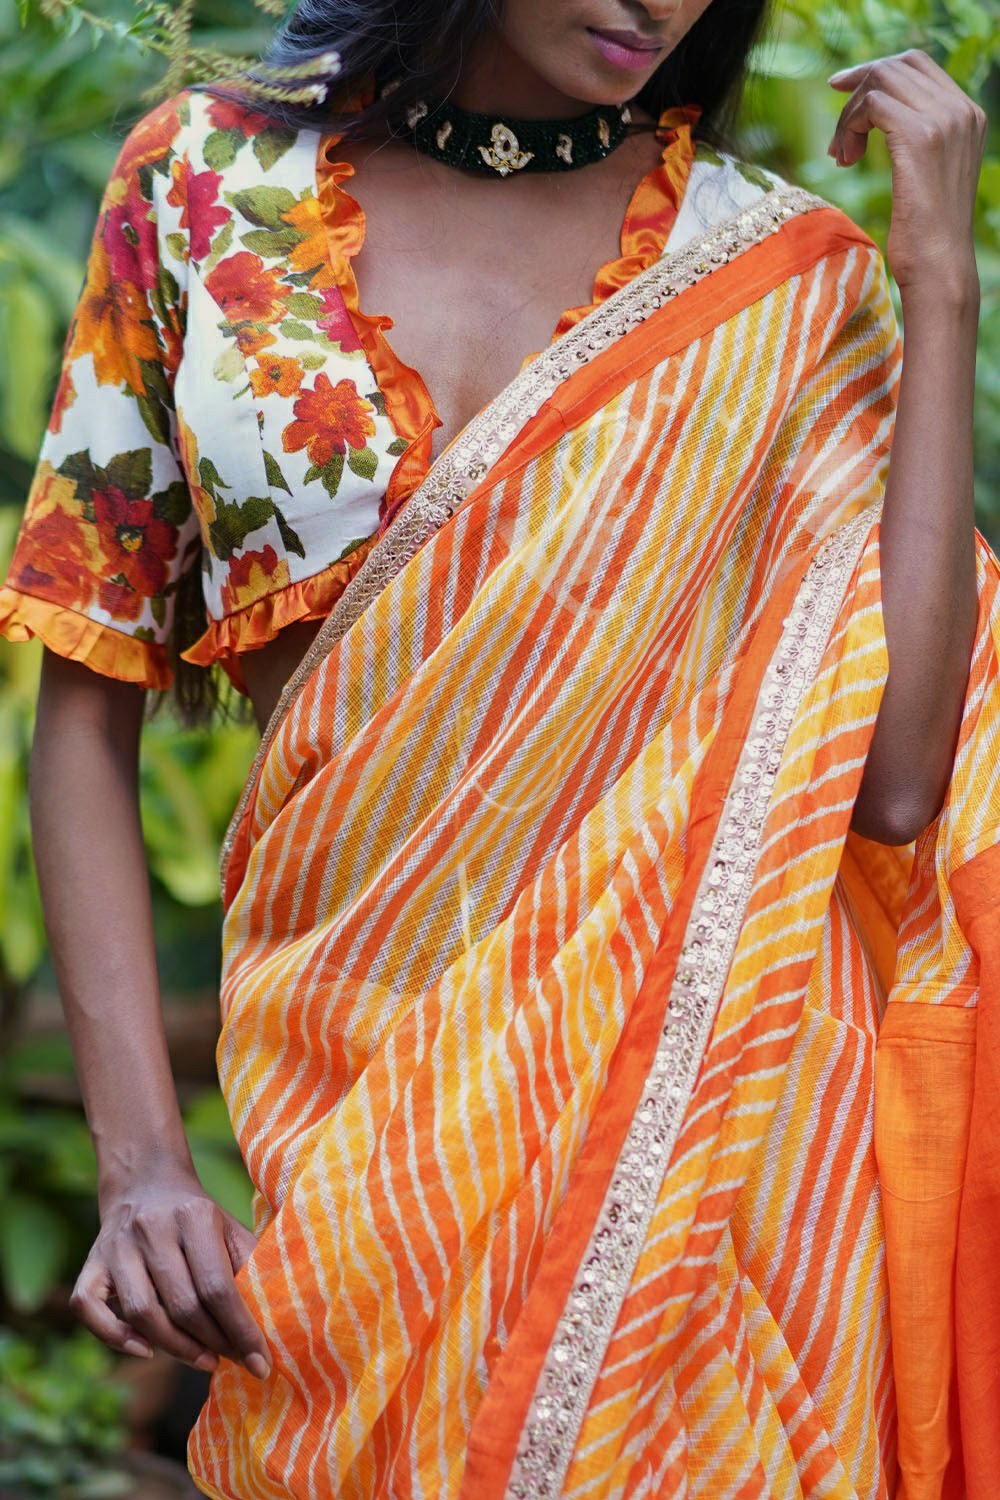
554	978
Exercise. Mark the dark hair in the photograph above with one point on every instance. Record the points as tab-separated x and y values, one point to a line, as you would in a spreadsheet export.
420	46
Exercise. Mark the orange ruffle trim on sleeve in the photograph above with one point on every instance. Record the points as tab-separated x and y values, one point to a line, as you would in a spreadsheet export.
258	623
651	212
408	402
69	634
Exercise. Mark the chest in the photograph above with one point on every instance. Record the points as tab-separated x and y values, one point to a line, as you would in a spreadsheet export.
476	273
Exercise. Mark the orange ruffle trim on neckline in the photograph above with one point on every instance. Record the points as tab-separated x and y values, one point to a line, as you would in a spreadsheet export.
69	634
647	223
259	622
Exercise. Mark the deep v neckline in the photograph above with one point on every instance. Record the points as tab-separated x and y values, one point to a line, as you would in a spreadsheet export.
649	216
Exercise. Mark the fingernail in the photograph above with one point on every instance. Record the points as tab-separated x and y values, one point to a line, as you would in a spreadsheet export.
258	1365
137	1347
207	1361
839	74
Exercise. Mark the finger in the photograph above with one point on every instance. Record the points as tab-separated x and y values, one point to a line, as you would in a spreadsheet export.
208	1256
918	60
141	1309
175	1287
240	1241
89	1303
891	104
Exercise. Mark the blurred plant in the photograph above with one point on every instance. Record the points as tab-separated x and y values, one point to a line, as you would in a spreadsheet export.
62	1419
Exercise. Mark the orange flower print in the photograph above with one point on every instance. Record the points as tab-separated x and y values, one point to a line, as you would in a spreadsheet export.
62	400
328	418
137	548
250	340
251	576
112	324
196	193
311	253
276	374
52	557
246	291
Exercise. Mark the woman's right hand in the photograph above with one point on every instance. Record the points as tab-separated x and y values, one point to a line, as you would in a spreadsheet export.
162	1274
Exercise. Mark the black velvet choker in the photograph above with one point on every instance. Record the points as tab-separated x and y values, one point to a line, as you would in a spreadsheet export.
500	146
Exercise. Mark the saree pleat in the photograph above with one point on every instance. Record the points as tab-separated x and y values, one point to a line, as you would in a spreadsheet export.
553	976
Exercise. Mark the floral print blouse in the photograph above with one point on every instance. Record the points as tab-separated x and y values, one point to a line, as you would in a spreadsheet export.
224	403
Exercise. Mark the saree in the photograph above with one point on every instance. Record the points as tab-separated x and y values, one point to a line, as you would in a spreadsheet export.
617	1116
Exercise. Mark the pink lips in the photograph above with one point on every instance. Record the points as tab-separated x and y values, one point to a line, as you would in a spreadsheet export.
626	49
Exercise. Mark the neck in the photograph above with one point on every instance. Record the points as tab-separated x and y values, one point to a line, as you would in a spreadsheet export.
496	81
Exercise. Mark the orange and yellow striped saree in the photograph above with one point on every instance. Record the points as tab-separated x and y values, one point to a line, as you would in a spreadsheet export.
618	1118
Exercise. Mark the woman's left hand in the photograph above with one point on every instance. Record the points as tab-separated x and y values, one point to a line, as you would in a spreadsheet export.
936	136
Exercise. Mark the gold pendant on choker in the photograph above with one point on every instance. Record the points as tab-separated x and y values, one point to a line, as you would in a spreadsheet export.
505	154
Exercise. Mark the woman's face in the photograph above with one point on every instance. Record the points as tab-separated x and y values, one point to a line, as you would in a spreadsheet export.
596	51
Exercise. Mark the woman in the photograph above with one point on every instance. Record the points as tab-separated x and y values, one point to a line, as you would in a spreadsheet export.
565	901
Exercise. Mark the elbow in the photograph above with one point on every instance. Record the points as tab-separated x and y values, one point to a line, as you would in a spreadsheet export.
896	821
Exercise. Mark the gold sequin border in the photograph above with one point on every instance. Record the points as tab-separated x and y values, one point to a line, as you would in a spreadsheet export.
467	461
607	1267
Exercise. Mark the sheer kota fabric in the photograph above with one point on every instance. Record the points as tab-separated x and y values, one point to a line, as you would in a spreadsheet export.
541	1212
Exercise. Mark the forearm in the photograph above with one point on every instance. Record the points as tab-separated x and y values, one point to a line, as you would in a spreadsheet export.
927	562
95	894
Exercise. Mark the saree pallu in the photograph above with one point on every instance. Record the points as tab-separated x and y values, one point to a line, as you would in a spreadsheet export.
617	1116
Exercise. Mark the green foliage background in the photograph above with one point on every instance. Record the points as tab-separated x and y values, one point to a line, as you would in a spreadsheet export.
73	78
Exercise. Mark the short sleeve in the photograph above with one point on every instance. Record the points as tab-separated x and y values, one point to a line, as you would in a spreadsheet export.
109	528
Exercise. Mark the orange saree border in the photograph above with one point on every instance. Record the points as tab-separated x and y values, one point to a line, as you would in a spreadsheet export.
791	247
500	1461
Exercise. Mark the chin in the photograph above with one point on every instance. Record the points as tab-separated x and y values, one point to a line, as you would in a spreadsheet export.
596	85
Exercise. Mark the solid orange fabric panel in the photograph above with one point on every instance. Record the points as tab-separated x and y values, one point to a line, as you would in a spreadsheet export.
977	1294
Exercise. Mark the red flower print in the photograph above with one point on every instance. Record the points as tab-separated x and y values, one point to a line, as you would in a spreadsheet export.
336	321
52	556
137	546
246	292
130	240
328	418
253	575
196	194
275	374
226	114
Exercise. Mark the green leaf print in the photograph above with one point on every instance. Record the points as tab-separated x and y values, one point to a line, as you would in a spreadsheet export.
220	245
165	295
289	537
234	522
753	174
378	401
271	144
351	547
211	479
79	467
397	447
155	419
131	472
271	244
158	606
274	475
363	462
263	205
173	504
304	306
221	147
177	244
329	475
312	361
294	330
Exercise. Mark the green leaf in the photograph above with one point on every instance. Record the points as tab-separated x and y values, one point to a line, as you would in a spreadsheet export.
264	206
131	472
230	364
154	417
80	468
33	1243
351	547
211	479
305	306
270	145
220	245
177	244
158	608
271	244
310	361
274	475
331	473
235	521
397	447
289	537
220	148
362	461
293	330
